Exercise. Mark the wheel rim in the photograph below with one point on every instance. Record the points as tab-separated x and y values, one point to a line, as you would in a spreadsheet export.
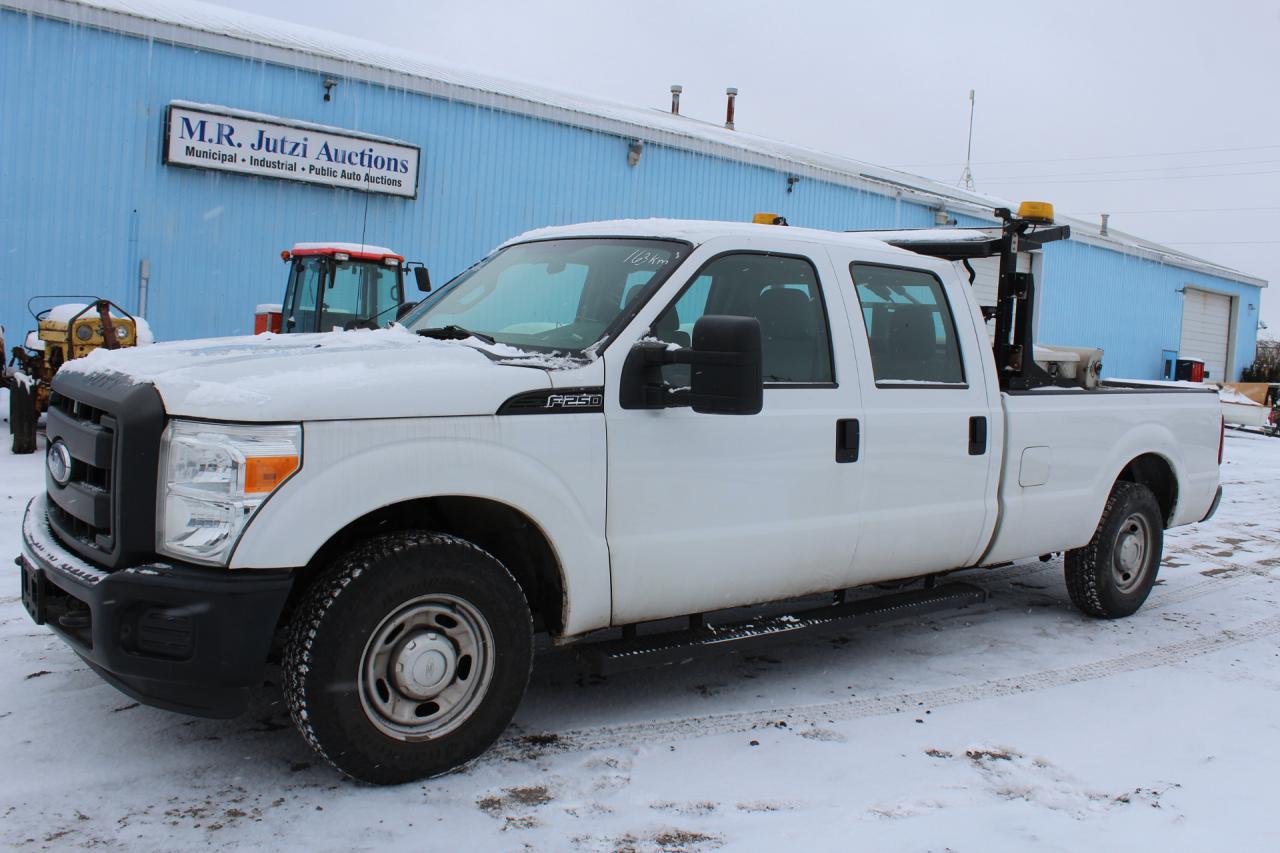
1129	561
426	668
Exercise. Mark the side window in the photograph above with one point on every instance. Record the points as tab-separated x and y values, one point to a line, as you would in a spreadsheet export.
781	292
386	295
300	298
909	326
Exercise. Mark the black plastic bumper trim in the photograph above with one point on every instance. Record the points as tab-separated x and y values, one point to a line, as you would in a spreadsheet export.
221	625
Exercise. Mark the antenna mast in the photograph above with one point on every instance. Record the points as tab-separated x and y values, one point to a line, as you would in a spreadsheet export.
966	177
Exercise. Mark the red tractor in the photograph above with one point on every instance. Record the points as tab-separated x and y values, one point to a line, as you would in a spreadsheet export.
341	286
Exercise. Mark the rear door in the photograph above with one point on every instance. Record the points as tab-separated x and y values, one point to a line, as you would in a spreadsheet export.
931	428
711	511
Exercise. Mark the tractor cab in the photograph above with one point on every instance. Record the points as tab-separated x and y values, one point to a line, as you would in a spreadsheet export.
341	286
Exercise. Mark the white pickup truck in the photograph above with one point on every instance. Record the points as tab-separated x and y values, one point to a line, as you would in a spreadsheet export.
596	426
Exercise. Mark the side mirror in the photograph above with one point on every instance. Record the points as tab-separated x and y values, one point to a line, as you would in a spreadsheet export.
727	366
424	279
726	375
405	309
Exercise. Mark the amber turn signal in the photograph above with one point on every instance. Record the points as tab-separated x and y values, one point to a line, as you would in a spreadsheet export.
263	473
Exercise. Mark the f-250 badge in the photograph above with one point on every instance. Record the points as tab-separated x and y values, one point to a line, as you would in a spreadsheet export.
575	401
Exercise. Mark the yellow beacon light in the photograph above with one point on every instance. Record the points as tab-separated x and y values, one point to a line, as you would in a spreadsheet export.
769	219
1036	211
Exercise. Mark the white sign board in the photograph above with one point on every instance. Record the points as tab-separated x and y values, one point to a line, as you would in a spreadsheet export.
229	140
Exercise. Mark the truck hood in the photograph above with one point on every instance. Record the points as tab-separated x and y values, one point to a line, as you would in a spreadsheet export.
388	373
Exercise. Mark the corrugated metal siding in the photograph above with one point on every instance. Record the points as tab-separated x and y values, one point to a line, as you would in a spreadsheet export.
86	196
1131	307
82	223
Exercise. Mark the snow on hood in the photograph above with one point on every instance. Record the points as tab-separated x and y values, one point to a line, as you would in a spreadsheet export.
330	376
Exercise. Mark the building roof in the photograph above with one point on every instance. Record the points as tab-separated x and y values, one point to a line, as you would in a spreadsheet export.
208	27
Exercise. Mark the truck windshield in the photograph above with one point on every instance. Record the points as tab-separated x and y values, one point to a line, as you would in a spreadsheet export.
563	295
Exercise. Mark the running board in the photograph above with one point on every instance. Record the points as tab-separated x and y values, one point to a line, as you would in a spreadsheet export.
668	647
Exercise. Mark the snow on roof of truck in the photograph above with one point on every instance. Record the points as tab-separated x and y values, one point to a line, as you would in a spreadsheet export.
265	39
698	231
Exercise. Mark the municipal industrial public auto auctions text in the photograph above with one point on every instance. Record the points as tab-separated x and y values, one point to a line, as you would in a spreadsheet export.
286	147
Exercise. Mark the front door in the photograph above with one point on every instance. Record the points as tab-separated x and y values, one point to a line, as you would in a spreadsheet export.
710	511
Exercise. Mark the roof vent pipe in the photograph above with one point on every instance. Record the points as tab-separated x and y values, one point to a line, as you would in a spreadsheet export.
728	110
1102	230
675	99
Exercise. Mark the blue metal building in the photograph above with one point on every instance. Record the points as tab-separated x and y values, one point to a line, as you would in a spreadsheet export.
88	201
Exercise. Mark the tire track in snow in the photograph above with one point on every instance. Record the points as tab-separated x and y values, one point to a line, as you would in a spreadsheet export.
1164	597
1161	596
680	729
1265	534
688	728
1262	567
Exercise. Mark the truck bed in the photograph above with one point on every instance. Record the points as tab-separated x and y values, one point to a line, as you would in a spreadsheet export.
1065	447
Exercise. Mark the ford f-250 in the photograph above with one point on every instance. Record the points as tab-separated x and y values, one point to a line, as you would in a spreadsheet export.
596	426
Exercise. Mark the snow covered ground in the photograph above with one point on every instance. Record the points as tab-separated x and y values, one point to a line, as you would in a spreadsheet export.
1013	725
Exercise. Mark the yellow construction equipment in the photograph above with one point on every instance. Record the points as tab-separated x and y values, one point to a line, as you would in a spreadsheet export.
62	333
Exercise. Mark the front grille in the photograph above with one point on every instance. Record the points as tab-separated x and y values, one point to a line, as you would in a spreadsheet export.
111	427
83	507
76	409
92	418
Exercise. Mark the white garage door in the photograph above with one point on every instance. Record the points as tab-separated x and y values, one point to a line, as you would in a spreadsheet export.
1206	329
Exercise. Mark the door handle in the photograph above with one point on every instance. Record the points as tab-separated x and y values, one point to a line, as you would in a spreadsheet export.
848	437
977	436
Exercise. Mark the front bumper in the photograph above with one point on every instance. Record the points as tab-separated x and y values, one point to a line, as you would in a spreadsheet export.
180	637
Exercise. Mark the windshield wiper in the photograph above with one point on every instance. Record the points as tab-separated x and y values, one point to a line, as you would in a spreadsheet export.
454	333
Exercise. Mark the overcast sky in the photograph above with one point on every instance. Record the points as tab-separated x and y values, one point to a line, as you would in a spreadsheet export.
1165	114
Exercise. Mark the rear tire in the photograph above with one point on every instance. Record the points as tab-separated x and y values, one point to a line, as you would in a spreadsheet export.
1112	576
23	417
408	658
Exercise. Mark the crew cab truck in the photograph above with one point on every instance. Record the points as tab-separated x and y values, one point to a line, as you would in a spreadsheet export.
595	426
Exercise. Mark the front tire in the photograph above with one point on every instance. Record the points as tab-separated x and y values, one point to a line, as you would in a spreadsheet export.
408	658
1112	576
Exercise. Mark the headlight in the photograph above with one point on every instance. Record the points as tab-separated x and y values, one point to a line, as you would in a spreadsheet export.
213	479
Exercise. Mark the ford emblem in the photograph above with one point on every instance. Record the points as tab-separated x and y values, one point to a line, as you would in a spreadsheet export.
59	463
